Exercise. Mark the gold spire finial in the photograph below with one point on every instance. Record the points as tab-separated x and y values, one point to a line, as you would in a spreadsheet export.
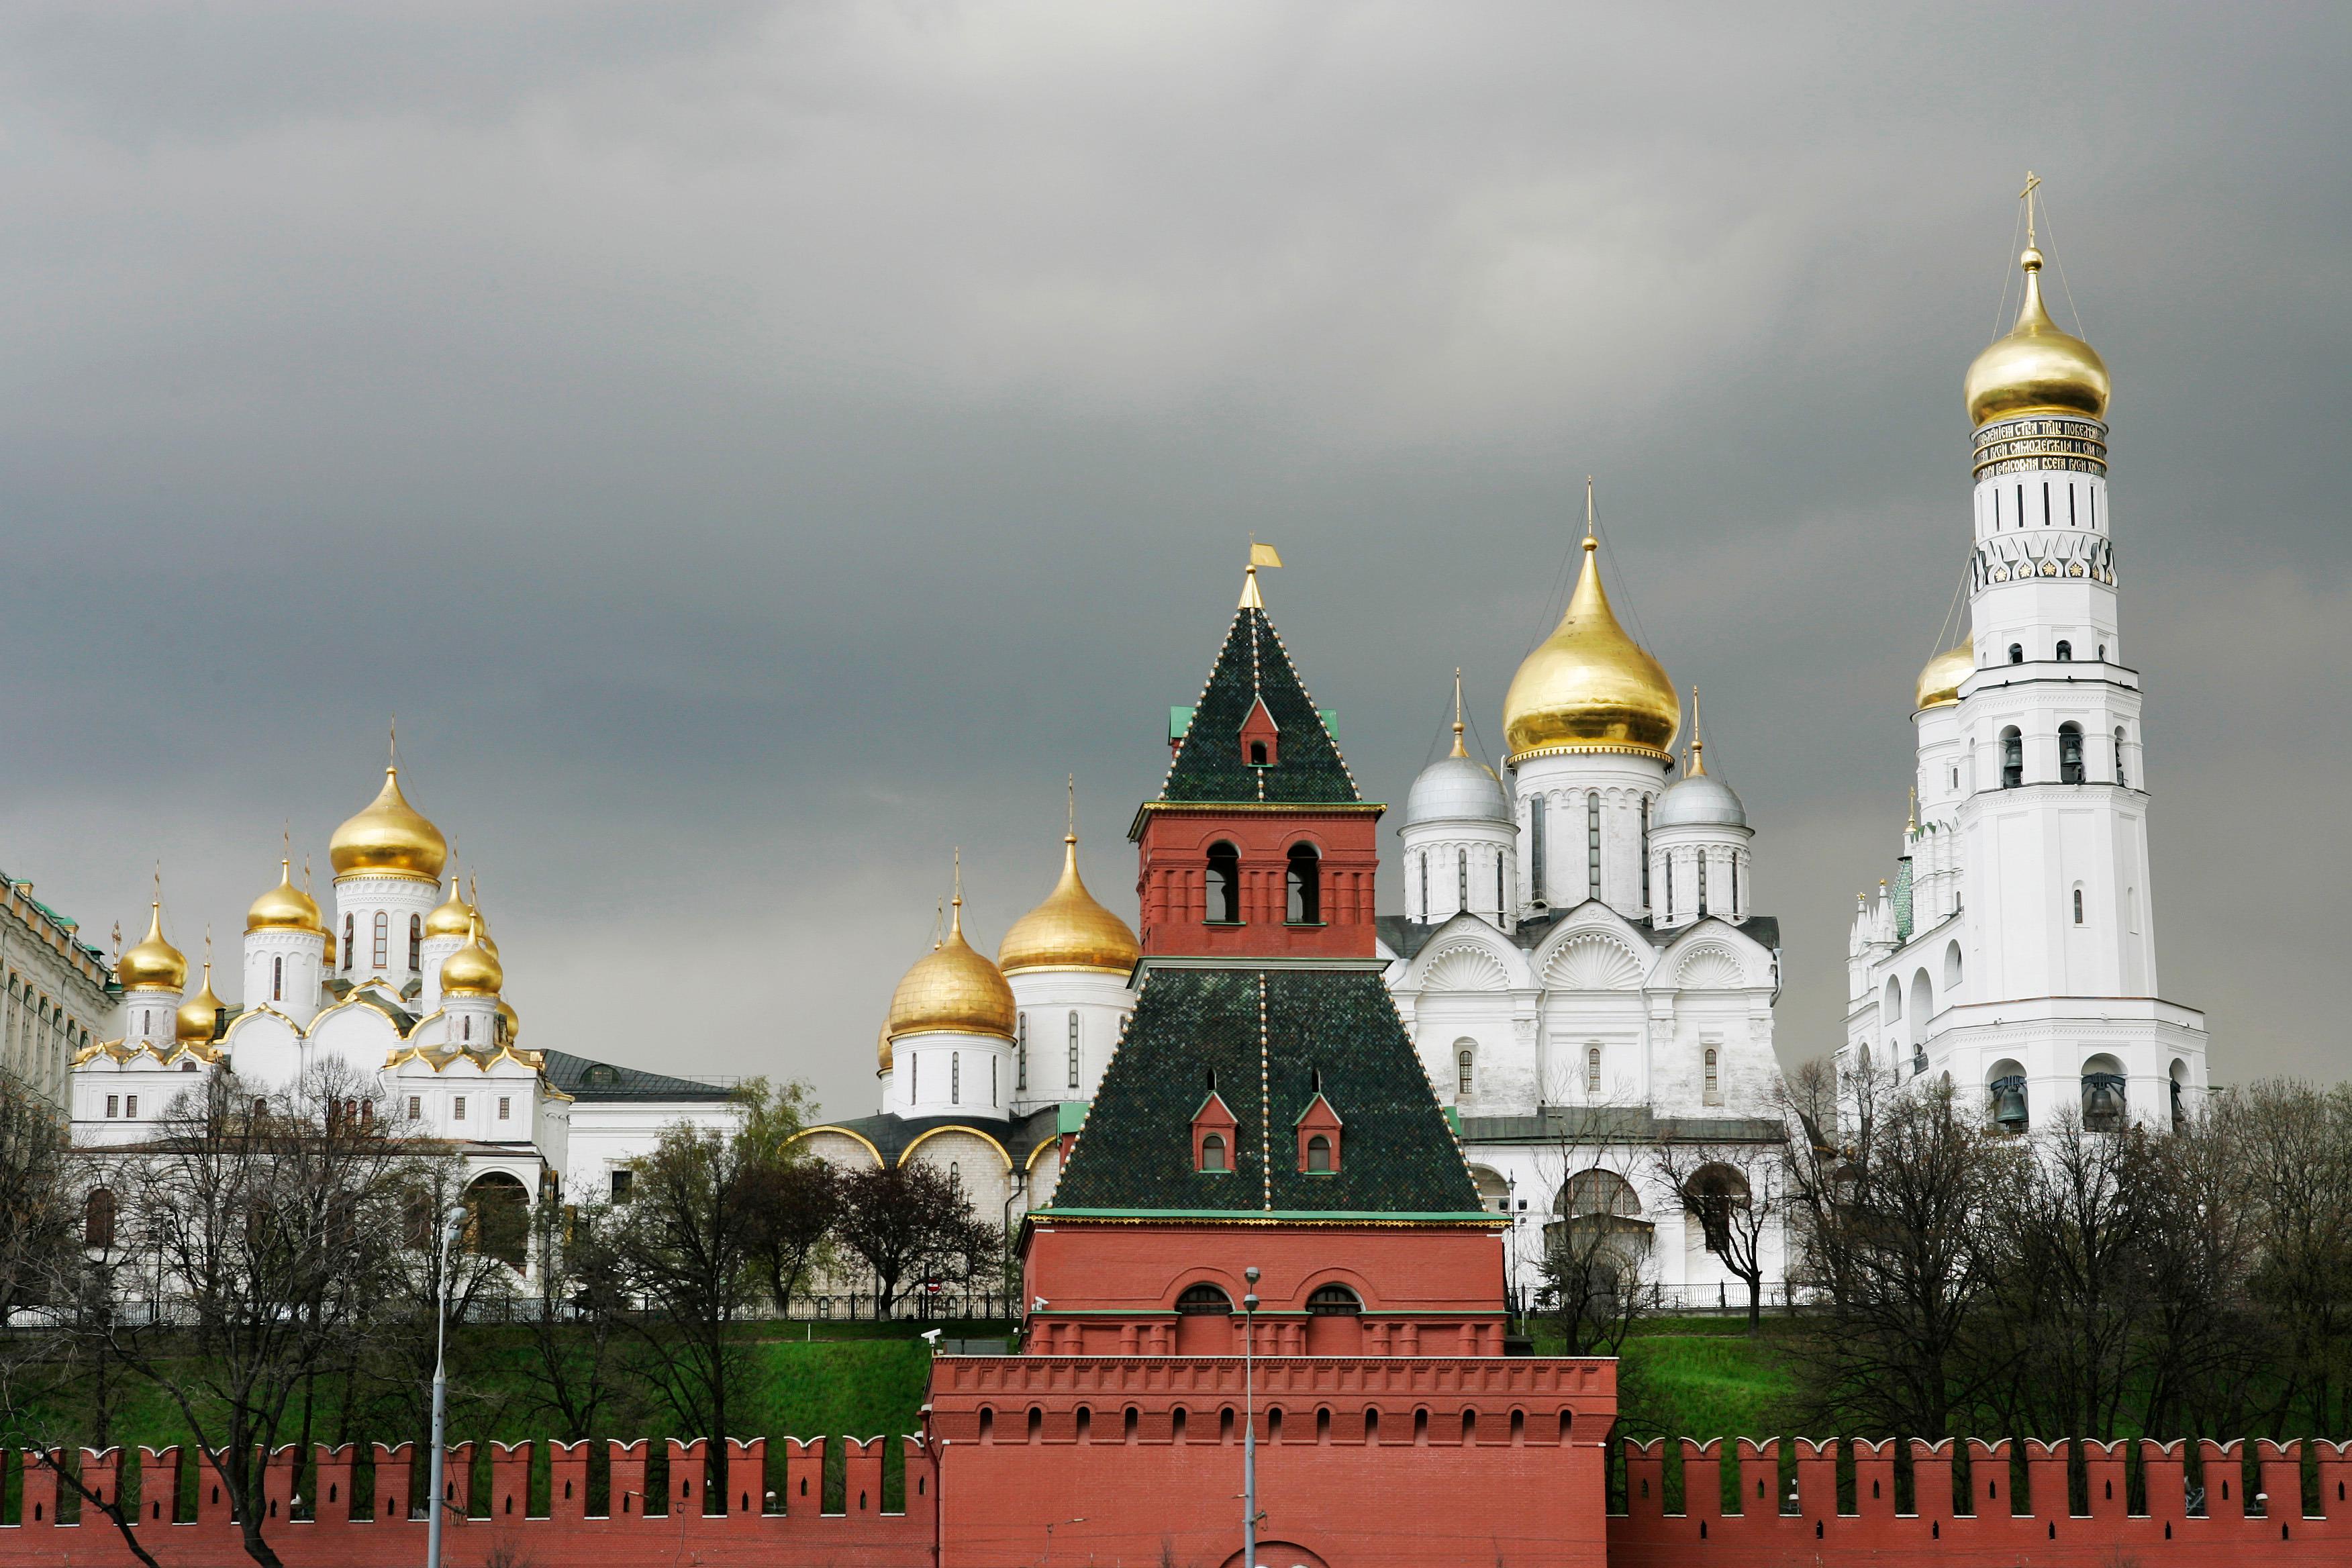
1911	827
1261	554
2033	183
955	904
1072	836
939	924
1697	746
1589	541
392	745
118	942
1458	748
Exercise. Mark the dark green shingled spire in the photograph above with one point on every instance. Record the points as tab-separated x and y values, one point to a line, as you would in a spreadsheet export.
1267	1041
1209	765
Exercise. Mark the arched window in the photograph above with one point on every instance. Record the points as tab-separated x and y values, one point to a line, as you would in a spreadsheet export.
415	943
1645	851
351	947
1021	1053
2006	1085
278	979
2103	1100
1421	861
467	1026
955	1078
367	1112
1224	884
955	1176
1333	1301
98	1218
2065	651
2069	754
1952	967
1700	856
1202	1301
498	1218
1596	1193
1536	850
2120	780
1592	1070
1464	1059
383	944
1714	1091
1318	1155
2012	758
1714	1196
1306	907
1461	879
2078	906
2017	653
1074	1049
1212	1152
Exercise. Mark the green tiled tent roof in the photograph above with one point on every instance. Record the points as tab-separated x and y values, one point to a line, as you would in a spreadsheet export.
1208	766
1397	1155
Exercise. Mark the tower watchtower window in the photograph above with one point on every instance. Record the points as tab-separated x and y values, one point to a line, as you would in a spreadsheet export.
2017	653
2119	754
1306	878
1224	885
1257	753
2012	758
2065	651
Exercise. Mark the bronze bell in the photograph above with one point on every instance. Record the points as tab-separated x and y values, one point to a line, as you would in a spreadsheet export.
2009	1103
2102	1099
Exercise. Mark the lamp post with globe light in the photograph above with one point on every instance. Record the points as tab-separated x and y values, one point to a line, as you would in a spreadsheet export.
453	1230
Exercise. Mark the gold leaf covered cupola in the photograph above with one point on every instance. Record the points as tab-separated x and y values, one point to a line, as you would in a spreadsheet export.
2036	367
1070	930
1589	687
953	990
389	839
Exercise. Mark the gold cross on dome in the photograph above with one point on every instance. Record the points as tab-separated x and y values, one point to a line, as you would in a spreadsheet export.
2032	184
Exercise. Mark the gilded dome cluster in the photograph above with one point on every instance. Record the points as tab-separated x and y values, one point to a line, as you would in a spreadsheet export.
285	907
473	970
2035	368
1589	686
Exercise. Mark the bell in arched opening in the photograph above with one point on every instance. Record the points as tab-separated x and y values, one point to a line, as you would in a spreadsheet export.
2009	1111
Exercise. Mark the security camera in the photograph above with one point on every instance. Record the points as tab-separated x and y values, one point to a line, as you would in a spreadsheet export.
1038	1305
931	1338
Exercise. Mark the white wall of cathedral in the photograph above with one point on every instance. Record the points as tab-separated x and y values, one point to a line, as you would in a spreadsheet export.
283	970
1452	866
1066	1024
147	1015
1582	819
944	1074
435	953
376	917
1594	1017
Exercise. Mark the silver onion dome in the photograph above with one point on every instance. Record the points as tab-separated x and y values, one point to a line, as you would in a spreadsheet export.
1699	800
1457	789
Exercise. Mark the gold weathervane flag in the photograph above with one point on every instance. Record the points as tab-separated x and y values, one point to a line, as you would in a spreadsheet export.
1264	554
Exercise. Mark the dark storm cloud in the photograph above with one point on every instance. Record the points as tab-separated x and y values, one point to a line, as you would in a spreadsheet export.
757	449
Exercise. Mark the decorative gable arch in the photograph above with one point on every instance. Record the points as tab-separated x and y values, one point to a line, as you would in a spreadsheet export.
1592	961
1465	967
1710	968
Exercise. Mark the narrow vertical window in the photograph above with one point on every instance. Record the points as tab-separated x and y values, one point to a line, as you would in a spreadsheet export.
1074	1050
1021	1053
2120	780
415	943
1426	914
1646	852
1536	850
992	1080
1592	1070
1592	845
1735	884
1224	884
467	1026
278	979
2078	906
506	1107
2017	653
955	1078
113	1105
350	947
1462	881
1666	863
415	1106
1702	883
457	1109
1498	885
1305	886
1713	1083
2012	758
1462	1064
2069	754
383	944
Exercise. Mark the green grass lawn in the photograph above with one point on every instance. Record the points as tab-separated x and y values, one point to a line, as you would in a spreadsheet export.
1706	1377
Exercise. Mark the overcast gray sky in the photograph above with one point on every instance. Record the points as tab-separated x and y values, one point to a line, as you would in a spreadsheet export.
757	448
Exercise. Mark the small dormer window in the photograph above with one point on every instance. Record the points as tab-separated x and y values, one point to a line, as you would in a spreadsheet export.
1213	1154
1319	1137
1214	1129
1261	738
1257	753
1318	1155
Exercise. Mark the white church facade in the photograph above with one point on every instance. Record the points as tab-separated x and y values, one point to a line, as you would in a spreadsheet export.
401	997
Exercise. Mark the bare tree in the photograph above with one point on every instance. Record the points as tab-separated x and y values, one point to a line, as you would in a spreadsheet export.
1894	1187
579	1307
1737	1194
1596	1255
272	1219
908	1221
2296	1147
794	1215
2201	1252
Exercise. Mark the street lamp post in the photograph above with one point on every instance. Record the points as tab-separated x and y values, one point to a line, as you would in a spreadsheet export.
453	1230
1249	1424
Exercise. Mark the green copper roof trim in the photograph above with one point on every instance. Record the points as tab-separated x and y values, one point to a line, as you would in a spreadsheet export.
1069	1116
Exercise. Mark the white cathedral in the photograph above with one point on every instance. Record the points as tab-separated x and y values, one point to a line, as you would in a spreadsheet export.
404	991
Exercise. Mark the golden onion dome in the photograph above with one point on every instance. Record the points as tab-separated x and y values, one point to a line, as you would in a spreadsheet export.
2036	368
1940	682
453	917
153	963
389	839
882	1053
473	970
1589	686
952	990
198	1019
1069	929
284	907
